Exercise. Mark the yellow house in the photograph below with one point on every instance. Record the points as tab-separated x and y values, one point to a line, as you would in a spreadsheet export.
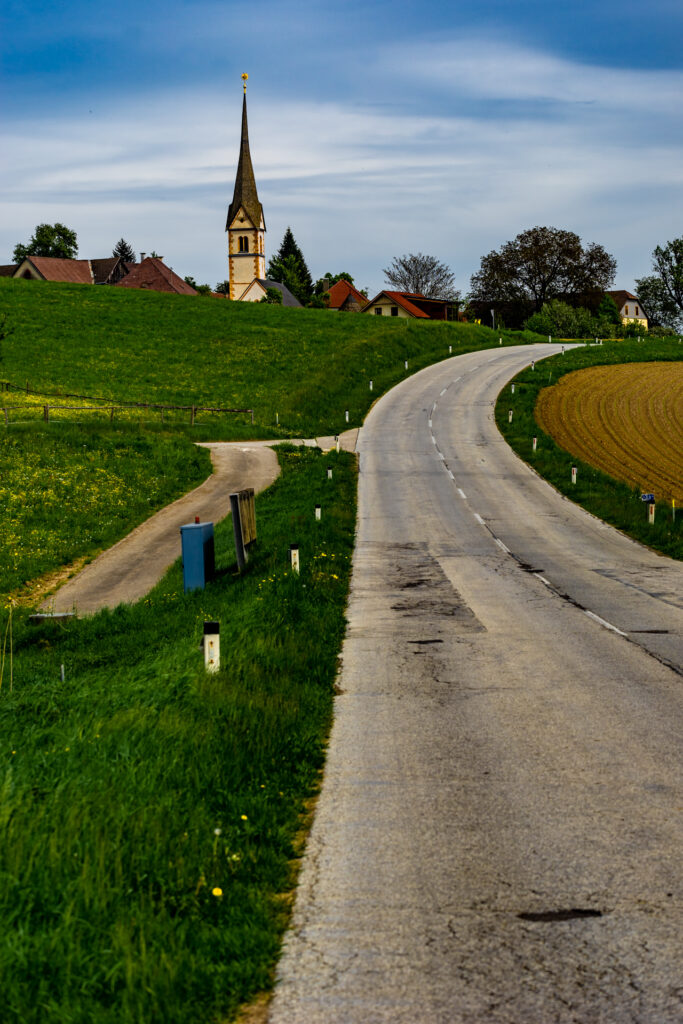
629	308
245	225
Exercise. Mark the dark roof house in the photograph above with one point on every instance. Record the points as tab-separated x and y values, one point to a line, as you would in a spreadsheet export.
255	291
153	275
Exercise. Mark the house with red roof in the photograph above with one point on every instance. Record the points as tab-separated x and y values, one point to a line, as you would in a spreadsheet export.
52	268
344	296
629	307
153	275
411	305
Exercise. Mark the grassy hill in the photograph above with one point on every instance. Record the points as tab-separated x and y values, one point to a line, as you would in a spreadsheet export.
308	366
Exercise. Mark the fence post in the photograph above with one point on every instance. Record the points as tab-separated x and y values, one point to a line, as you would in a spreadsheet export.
192	415
6	418
46	413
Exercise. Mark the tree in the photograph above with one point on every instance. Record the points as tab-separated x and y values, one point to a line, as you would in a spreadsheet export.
223	288
296	268
324	283
273	297
538	265
561	320
422	275
124	251
657	305
49	240
661	294
288	271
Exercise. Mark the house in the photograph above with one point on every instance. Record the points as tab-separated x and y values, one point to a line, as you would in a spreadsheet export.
411	305
629	308
256	291
153	275
52	268
344	296
8	270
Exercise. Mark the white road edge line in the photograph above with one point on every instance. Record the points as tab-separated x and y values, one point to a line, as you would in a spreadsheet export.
462	493
457	379
542	579
502	546
442	456
603	622
479	519
443	392
450	473
433	440
430	424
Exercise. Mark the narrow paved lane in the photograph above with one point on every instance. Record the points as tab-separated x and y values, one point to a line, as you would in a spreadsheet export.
498	835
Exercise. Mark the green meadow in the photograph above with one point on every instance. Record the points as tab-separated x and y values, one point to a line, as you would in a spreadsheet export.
150	812
303	367
600	494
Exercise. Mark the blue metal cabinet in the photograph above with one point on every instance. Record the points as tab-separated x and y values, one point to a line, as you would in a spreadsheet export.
198	555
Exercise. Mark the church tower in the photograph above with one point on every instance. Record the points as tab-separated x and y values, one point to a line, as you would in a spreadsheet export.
246	226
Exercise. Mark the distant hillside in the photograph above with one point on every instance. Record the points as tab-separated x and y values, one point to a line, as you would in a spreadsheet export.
306	365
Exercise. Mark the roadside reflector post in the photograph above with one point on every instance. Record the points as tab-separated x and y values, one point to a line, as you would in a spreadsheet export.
500	341
346	415
317	511
509	415
533	444
651	513
294	557
371	385
336	441
550	339
212	646
277	419
61	672
512	388
405	363
533	364
563	350
573	474
329	472
450	349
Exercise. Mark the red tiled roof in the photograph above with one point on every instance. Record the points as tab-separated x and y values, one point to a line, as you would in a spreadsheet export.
621	297
340	292
153	275
52	268
402	299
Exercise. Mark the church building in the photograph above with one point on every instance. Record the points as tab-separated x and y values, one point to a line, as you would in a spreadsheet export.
246	225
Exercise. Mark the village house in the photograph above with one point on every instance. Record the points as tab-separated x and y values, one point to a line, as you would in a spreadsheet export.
256	291
152	274
411	305
629	308
343	296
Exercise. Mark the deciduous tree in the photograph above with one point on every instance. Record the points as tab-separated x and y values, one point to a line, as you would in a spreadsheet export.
422	275
49	240
661	294
538	265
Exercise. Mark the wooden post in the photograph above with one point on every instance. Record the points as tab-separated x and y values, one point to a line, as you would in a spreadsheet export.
111	414
46	413
192	415
162	413
240	549
6	418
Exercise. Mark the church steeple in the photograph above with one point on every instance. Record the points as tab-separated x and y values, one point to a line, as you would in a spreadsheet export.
246	224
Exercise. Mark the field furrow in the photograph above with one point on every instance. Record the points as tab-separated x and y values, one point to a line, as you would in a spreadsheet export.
626	420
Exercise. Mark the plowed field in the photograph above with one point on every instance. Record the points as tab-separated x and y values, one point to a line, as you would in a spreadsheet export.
626	420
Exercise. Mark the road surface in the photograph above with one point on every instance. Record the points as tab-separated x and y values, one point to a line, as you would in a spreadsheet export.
498	836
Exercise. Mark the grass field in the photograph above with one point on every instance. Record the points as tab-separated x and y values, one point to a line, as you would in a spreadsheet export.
606	497
625	420
150	812
307	367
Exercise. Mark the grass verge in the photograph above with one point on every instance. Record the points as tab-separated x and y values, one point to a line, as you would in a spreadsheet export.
600	494
149	811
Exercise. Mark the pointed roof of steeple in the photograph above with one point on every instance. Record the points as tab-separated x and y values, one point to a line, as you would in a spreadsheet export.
245	194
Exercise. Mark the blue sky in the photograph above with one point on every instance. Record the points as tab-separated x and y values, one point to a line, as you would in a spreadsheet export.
376	129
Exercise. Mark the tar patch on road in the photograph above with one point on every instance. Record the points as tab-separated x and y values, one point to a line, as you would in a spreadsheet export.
423	590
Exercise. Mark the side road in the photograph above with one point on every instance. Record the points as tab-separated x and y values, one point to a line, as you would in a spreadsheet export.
128	570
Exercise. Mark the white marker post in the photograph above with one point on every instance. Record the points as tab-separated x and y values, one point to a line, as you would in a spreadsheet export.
405	363
371	385
509	415
336	441
212	646
512	388
533	364
277	419
329	473
651	513
450	349
573	474
346	415
550	339
563	350
294	557
317	511
533	444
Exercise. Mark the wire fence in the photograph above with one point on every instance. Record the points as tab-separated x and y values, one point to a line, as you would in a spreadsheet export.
104	405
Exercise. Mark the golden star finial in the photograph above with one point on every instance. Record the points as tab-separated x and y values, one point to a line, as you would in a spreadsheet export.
245	76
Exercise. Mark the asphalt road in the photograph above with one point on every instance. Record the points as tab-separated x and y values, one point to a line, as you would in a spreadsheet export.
498	837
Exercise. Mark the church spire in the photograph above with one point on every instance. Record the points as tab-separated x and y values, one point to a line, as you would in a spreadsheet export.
245	194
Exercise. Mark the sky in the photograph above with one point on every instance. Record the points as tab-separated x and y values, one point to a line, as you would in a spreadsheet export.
376	129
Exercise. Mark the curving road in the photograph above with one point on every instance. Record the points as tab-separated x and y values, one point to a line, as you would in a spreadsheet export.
498	835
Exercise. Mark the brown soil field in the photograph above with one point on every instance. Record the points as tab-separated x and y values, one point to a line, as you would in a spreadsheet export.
626	420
